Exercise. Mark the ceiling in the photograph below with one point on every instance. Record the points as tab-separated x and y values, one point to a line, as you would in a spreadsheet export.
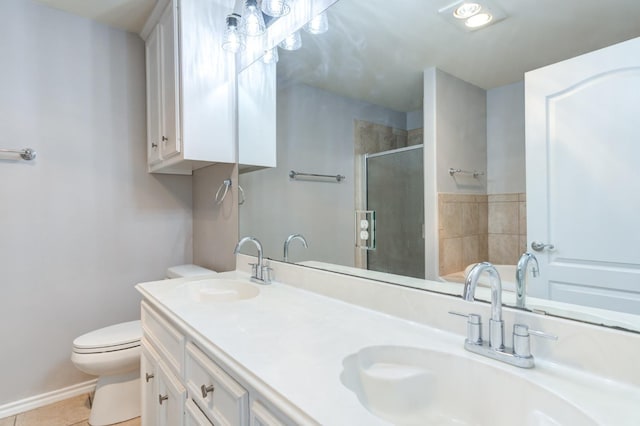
128	15
376	50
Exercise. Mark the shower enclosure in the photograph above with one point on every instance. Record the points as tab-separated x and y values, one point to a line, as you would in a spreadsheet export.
395	191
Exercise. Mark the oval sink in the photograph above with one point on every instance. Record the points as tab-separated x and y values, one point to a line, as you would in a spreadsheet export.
221	290
412	386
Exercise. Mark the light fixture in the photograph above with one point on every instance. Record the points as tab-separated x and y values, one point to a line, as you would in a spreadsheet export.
473	15
270	56
233	39
275	8
466	10
478	20
318	24
252	24
292	42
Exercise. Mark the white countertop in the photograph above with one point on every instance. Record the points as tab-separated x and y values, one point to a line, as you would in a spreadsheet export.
295	342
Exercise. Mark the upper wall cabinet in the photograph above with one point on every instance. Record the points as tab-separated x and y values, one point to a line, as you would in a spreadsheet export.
190	87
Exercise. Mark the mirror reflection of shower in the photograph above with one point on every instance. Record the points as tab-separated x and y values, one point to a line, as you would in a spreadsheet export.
394	182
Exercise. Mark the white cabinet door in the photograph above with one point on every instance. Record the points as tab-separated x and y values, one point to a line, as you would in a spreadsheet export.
171	398
154	108
583	179
148	377
170	138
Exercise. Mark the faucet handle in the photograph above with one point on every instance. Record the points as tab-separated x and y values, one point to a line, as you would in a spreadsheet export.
474	327
521	345
266	273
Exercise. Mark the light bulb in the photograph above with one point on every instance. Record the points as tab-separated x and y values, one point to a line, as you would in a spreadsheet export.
318	25
479	20
292	42
233	40
275	8
466	10
270	56
252	23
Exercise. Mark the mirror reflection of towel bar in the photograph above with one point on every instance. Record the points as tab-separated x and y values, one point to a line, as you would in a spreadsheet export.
294	175
475	173
26	154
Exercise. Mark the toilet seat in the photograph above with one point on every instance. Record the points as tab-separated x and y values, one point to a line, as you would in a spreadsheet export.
117	337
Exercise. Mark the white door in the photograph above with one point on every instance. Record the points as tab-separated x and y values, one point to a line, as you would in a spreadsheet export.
583	178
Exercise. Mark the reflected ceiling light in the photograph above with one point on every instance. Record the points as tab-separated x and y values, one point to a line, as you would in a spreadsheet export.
292	42
478	20
270	56
466	10
233	39
252	23
318	24
473	15
275	8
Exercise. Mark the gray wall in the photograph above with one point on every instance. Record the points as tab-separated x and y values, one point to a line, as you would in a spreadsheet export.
505	139
315	134
81	225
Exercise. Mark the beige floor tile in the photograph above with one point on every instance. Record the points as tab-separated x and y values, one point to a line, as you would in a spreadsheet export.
132	422
64	413
8	421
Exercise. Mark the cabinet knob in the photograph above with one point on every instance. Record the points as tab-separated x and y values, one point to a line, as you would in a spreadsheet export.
148	377
162	398
154	145
205	390
164	138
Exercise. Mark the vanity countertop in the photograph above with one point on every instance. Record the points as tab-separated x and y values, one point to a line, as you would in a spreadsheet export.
295	341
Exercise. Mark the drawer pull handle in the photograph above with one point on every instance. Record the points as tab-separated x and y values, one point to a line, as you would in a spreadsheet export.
162	398
148	377
205	390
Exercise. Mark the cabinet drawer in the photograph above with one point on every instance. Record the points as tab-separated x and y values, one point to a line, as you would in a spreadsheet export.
261	416
193	416
225	402
168	341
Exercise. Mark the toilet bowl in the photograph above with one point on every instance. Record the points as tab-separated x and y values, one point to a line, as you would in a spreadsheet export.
113	354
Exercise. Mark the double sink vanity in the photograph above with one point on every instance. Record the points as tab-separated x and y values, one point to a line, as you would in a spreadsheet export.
315	347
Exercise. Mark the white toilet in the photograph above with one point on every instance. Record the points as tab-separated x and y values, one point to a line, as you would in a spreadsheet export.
113	354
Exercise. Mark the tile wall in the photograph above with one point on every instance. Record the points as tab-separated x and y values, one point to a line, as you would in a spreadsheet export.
474	228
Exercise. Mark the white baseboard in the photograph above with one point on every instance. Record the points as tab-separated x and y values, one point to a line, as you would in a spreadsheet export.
41	400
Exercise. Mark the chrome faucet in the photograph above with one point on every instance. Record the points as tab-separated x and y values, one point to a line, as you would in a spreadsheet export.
260	272
521	276
288	241
520	355
496	325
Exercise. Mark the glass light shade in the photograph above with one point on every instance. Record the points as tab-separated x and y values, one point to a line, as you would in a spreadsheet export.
270	56
252	24
479	20
318	25
275	8
233	40
466	10
292	42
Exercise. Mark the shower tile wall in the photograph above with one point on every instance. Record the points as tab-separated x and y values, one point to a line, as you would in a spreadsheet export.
475	228
462	231
507	227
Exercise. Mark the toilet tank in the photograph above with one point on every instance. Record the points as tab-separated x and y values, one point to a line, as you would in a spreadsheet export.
182	271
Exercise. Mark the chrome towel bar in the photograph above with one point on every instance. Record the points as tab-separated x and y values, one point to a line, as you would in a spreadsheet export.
26	154
294	175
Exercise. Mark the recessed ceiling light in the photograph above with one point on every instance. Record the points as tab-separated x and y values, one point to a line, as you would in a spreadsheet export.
479	20
466	10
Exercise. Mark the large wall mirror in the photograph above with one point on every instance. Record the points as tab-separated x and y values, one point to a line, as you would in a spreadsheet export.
405	132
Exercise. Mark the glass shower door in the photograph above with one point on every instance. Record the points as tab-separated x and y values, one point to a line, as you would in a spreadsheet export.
395	190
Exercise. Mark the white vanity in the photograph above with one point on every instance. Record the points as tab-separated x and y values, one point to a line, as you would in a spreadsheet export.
331	349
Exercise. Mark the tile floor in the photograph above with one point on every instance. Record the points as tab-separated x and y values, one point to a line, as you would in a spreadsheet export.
70	412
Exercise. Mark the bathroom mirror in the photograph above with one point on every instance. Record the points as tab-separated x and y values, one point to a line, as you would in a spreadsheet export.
350	102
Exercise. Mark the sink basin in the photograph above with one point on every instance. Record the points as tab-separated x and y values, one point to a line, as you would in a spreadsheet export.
412	386
221	290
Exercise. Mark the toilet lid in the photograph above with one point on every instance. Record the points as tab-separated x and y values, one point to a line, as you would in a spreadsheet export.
114	337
